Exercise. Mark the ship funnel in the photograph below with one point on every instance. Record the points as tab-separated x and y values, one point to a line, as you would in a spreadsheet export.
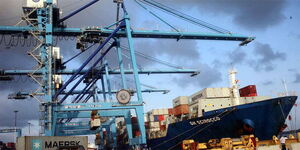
234	86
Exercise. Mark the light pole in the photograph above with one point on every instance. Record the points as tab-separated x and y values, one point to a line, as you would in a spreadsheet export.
29	127
16	111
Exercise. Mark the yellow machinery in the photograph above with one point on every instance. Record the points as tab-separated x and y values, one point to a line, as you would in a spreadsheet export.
246	142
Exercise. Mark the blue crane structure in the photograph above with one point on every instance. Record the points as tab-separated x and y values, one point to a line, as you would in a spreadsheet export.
18	131
58	106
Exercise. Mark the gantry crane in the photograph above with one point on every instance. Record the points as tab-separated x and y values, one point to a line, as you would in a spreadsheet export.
58	107
18	131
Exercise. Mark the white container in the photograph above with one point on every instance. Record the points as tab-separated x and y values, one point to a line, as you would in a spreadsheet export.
162	111
56	52
164	122
50	142
271	147
151	118
210	93
155	112
181	100
36	3
154	124
154	129
146	118
165	111
95	123
294	146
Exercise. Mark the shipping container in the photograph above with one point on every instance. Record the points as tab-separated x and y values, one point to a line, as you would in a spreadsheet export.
95	123
181	109
293	146
50	142
165	111
170	111
210	93
10	145
156	118
180	100
154	124
248	91
163	127
137	133
133	120
161	117
270	147
146	118
147	125
162	111
151	118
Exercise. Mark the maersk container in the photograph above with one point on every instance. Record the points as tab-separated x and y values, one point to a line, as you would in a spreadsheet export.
51	142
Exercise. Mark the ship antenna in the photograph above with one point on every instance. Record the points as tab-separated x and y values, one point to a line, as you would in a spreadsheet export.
234	86
285	87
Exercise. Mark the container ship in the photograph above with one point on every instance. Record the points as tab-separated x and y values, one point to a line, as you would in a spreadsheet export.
215	113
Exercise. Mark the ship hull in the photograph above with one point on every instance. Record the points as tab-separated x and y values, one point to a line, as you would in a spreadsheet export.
263	119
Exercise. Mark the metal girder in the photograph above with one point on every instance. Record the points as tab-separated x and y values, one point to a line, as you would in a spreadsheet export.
77	132
111	72
80	128
73	125
22	95
19	131
135	33
87	114
77	11
96	106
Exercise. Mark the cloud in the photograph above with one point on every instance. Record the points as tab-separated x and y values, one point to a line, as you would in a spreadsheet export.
182	49
265	57
297	80
267	83
292	70
237	56
28	110
250	14
208	76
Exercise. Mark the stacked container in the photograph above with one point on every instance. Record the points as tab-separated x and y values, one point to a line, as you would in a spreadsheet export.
157	122
208	98
180	105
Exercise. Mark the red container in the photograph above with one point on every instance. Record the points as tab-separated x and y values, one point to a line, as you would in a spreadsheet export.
137	133
181	109
10	145
171	111
133	120
163	127
248	91
147	125
161	117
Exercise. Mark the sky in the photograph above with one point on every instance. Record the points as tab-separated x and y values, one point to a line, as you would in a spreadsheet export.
272	57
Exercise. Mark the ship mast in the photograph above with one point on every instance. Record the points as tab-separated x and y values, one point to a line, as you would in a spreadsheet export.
234	86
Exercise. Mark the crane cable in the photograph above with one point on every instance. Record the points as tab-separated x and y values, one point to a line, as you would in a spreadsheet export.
152	13
185	17
153	58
